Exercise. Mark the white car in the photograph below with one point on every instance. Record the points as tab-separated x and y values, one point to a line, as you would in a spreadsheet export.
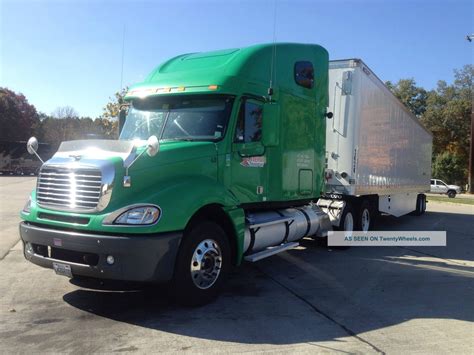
440	187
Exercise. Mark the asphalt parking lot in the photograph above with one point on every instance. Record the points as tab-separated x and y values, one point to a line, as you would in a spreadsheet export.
311	299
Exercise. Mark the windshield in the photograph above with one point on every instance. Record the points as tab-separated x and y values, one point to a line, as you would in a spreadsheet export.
178	118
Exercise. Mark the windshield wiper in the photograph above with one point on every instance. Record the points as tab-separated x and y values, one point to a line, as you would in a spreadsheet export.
164	125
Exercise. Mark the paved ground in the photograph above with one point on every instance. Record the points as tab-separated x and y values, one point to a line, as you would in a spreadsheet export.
360	300
14	192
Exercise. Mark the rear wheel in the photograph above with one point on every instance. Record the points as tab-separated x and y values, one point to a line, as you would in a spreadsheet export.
347	224
347	219
420	205
202	264
423	203
366	217
451	194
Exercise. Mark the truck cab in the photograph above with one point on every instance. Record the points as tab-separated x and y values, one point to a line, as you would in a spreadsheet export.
220	159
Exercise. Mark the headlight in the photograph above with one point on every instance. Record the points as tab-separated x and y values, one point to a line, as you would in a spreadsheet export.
134	215
27	208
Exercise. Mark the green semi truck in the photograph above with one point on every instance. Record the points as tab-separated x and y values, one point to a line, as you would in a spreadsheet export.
221	158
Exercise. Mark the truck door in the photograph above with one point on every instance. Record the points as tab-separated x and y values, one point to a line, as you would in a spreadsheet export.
442	187
248	159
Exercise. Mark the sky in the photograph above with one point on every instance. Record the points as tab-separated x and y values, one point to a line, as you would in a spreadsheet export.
69	52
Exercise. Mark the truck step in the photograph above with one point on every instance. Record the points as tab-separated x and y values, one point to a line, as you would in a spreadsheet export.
270	251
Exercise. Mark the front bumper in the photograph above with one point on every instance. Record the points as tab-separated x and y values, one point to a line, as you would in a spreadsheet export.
139	258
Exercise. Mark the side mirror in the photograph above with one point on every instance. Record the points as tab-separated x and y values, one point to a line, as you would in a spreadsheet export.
121	117
32	145
271	125
153	146
329	115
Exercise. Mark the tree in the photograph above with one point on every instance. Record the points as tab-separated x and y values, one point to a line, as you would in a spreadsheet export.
18	118
412	96
450	167
65	112
448	117
112	109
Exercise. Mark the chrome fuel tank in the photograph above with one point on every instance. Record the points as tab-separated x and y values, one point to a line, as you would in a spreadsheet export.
276	227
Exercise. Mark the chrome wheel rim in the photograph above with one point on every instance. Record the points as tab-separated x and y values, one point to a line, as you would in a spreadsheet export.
206	264
365	221
349	222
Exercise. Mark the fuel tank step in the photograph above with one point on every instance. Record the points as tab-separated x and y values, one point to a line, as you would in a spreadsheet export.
270	251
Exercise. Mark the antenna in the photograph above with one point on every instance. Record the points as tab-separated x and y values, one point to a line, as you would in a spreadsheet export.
123	54
270	89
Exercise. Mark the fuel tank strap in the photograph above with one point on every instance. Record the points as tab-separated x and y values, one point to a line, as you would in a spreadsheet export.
252	231
287	228
308	221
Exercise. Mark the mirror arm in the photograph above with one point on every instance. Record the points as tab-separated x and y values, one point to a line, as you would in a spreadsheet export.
41	160
133	162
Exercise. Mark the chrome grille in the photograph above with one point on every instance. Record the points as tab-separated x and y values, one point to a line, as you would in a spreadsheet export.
69	188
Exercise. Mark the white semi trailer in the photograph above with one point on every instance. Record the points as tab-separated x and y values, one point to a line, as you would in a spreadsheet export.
378	153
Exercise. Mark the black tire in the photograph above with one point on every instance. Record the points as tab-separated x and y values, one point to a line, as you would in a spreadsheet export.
423	204
366	211
420	205
451	194
185	289
348	210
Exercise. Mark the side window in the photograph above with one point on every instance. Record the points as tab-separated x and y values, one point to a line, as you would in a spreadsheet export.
304	74
249	124
432	182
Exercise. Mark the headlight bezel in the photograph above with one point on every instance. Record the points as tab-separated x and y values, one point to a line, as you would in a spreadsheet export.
111	219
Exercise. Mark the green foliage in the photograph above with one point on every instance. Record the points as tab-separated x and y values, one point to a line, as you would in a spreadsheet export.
446	113
450	167
448	117
53	130
412	96
111	110
18	118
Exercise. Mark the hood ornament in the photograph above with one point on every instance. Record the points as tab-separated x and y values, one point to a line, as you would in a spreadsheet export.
76	157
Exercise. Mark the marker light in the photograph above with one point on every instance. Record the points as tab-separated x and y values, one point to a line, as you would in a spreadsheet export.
212	87
27	207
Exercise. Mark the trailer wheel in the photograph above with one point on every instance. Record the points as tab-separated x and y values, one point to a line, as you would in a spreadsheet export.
420	205
451	194
202	264
423	203
366	217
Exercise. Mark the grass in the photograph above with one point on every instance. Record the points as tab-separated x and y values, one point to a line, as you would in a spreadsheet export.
457	199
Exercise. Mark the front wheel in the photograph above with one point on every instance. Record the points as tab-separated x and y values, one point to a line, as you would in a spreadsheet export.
202	264
451	194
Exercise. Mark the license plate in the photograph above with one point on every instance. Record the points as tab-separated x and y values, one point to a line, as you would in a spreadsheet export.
62	269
